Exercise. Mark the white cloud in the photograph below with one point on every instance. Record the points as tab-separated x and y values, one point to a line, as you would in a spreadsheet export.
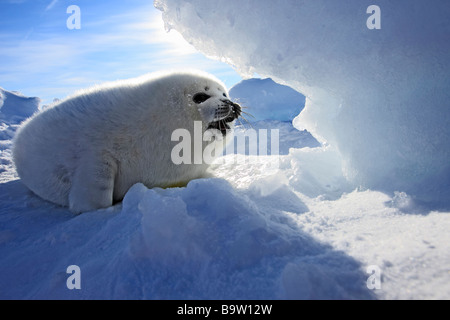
140	27
129	44
51	4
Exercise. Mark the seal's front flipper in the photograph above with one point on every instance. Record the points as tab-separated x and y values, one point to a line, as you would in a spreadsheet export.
93	185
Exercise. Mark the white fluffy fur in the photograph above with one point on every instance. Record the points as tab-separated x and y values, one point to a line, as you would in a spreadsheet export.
86	151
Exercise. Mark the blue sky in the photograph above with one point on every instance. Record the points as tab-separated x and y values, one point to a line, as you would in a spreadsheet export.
40	56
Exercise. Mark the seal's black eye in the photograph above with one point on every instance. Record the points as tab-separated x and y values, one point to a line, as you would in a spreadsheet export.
200	97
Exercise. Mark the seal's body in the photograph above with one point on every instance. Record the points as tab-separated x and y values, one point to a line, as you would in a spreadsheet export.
86	151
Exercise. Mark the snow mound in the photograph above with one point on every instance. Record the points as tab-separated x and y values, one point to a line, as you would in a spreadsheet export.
271	106
379	97
265	99
15	107
205	241
247	138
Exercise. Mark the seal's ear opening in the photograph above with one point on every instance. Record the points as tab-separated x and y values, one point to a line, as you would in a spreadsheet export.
200	97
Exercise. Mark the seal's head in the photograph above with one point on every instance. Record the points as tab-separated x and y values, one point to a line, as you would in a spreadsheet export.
210	98
218	111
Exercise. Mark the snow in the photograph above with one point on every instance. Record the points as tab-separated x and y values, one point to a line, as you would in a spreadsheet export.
269	106
379	97
289	137
311	223
254	231
265	99
14	107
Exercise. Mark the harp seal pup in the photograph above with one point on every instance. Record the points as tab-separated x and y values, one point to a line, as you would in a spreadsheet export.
86	151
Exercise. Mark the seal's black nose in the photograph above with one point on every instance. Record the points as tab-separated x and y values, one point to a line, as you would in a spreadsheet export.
236	109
